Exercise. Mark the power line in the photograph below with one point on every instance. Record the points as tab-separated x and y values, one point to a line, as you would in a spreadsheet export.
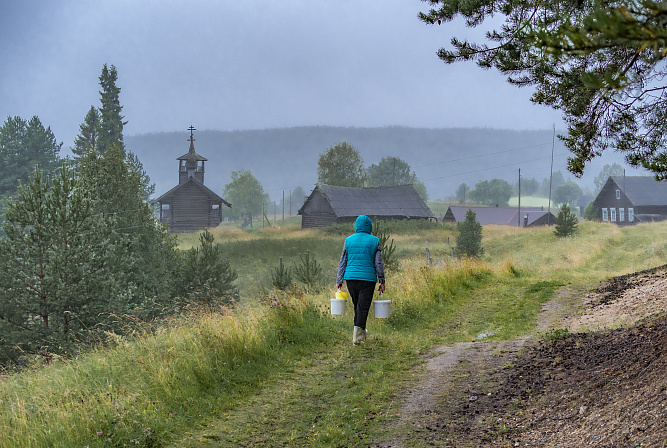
493	168
481	155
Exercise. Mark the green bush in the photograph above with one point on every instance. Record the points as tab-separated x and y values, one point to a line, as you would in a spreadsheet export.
592	212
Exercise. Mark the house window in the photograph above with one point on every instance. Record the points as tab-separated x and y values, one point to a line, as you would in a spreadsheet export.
613	214
631	214
621	214
215	210
605	217
618	194
182	167
164	211
200	166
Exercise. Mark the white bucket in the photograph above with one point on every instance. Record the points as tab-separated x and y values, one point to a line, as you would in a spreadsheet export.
381	308
338	306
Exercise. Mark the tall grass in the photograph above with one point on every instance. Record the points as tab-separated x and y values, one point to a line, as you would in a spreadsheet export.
153	385
151	388
281	371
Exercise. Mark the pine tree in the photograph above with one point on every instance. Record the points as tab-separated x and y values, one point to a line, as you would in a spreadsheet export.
208	277
23	145
309	272
386	246
111	120
54	266
281	277
599	62
469	239
566	222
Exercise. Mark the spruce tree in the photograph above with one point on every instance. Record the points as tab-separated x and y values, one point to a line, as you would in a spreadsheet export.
89	130
469	239
111	120
566	222
120	191
121	188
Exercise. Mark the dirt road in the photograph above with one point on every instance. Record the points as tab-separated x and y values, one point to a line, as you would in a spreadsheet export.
601	383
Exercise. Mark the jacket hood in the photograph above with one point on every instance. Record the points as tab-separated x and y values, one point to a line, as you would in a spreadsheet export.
363	224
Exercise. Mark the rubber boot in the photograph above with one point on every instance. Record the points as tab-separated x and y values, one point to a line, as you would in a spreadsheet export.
362	335
357	336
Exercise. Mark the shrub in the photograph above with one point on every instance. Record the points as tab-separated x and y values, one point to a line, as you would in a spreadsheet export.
592	212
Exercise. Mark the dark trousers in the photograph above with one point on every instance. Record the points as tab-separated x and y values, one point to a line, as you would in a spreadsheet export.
361	292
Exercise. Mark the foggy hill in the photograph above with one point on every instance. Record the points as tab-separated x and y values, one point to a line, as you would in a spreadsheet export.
285	158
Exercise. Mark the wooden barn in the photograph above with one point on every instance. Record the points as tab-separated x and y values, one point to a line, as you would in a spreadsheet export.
509	216
627	200
190	205
328	204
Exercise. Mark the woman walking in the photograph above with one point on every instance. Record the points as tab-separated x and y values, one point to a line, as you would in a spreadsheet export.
361	267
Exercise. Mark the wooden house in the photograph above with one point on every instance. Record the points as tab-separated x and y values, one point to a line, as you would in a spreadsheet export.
328	204
627	200
509	216
190	205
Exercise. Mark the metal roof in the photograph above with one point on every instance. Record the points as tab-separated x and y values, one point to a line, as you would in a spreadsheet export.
498	215
402	200
642	190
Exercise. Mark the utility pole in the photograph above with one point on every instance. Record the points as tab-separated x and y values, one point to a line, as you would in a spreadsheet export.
283	208
551	175
519	217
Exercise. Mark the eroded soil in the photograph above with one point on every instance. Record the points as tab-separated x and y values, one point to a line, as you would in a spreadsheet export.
602	383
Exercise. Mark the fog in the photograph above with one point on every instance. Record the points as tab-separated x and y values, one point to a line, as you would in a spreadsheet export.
229	65
233	65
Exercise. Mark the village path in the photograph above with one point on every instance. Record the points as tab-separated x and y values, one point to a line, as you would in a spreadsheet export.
456	376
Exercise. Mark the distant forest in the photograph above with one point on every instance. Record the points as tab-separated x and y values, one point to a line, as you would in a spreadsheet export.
283	159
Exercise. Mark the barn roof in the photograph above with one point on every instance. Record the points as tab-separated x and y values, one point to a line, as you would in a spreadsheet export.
642	190
197	183
497	215
403	200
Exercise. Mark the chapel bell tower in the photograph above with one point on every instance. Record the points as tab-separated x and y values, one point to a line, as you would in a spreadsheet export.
191	164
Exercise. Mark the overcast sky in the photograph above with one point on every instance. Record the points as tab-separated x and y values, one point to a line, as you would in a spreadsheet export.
247	64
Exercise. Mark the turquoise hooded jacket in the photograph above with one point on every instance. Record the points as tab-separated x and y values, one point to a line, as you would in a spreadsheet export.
361	258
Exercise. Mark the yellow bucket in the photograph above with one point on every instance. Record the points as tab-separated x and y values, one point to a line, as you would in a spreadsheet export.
341	295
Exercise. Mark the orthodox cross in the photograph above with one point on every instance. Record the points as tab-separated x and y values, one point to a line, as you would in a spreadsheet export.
191	128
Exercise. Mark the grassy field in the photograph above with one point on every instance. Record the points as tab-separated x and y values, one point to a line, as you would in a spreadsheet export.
279	370
532	201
